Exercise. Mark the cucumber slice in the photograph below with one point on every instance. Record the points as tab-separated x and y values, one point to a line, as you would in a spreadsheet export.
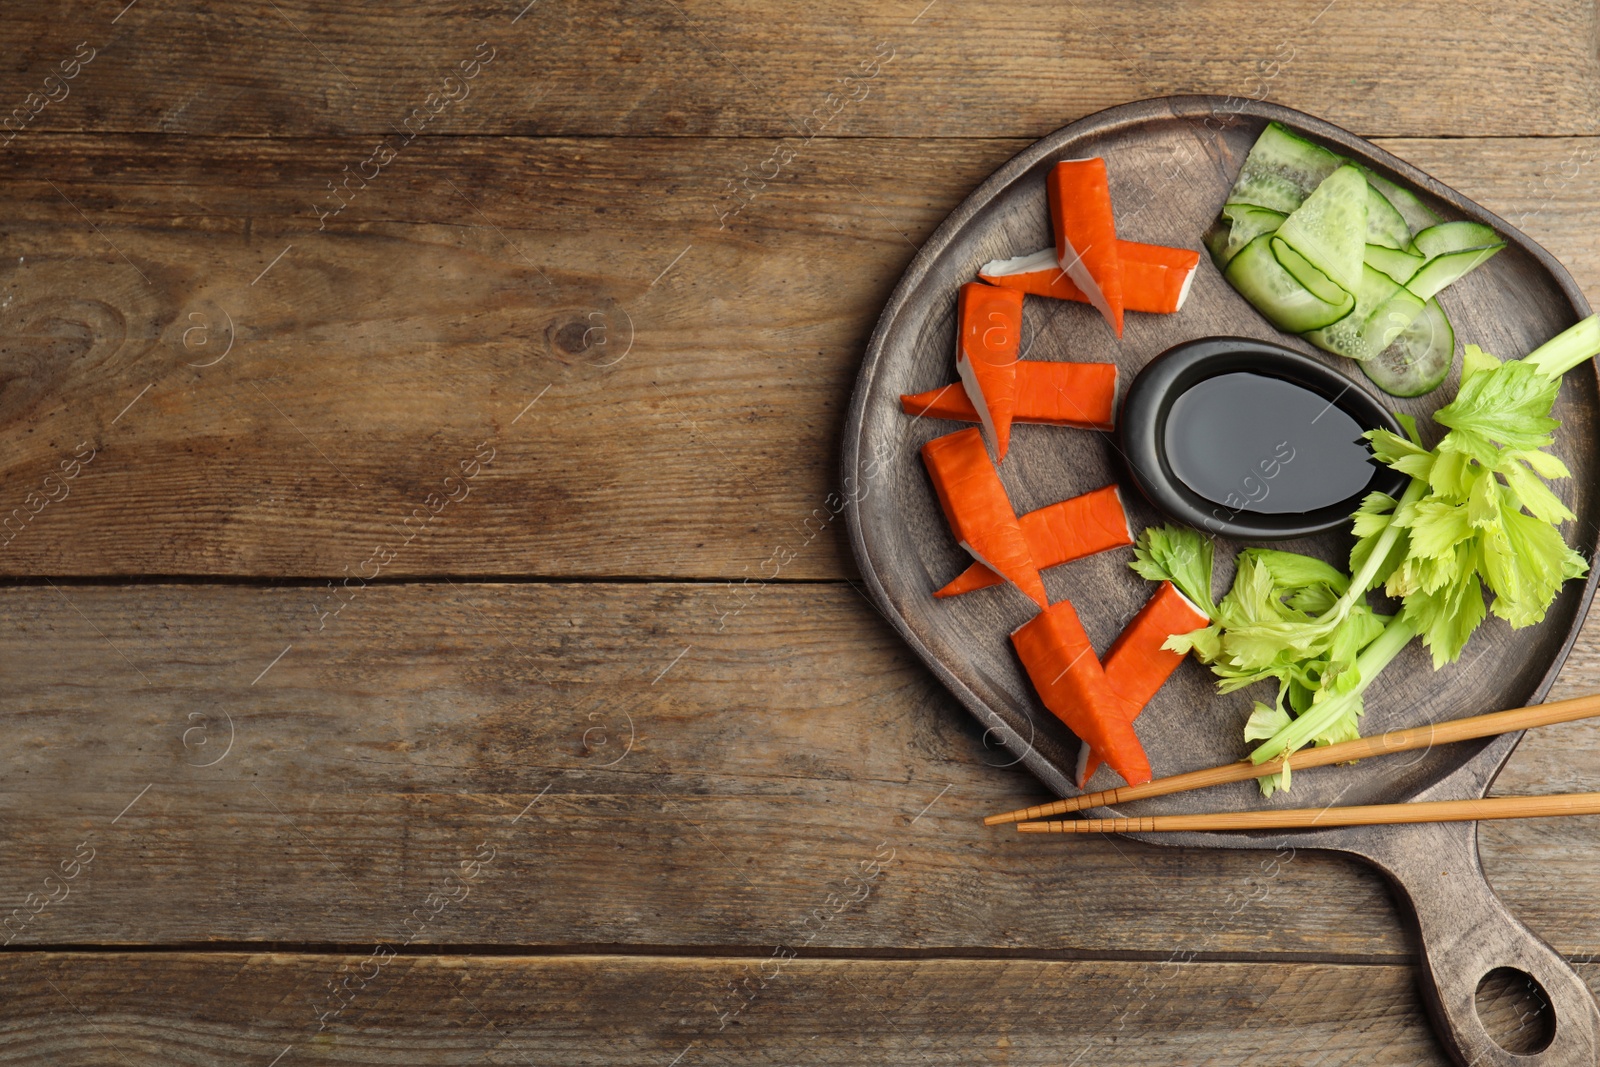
1455	237
1385	225
1216	241
1383	309
1240	224
1330	228
1443	270
1322	287
1418	215
1396	264
1392	318
1419	359
1258	276
1281	170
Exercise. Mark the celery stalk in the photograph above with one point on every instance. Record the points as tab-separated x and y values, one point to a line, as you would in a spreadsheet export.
1567	349
1372	660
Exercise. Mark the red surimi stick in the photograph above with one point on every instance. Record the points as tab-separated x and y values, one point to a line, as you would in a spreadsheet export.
1155	278
988	337
978	510
1061	663
1086	233
1057	394
1060	533
1137	666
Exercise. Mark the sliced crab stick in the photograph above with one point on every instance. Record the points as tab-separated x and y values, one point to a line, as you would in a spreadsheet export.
1137	666
1155	278
979	512
1061	663
988	337
1058	394
1086	233
1060	533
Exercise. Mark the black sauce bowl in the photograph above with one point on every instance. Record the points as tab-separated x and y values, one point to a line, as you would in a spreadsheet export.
1142	431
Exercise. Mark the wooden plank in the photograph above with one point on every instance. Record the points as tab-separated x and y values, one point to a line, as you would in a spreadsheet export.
728	68
374	356
692	765
706	767
133	1009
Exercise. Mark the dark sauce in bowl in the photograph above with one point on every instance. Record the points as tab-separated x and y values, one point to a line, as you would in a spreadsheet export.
1264	445
1251	440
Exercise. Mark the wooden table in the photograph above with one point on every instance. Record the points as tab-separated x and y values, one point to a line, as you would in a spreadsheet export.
425	636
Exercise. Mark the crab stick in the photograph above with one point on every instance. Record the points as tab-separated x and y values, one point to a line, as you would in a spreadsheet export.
1086	233
1155	278
1137	666
1060	533
1054	393
1061	663
988	337
978	510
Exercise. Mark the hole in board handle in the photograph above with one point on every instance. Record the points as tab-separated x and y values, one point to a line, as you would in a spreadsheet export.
1515	1010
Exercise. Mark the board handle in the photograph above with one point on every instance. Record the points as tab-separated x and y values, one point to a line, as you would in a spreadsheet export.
1466	933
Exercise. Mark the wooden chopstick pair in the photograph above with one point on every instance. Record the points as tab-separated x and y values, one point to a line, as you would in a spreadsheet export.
1499	722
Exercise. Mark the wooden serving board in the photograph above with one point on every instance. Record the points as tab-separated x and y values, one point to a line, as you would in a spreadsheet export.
1171	163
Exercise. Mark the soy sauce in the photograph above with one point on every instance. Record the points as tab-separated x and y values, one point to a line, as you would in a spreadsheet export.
1258	444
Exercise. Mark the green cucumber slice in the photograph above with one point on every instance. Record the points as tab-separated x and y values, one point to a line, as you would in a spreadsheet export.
1391	261
1383	309
1385	225
1418	215
1216	241
1281	170
1447	268
1322	287
1455	237
1420	358
1258	276
1240	224
1392	318
1329	228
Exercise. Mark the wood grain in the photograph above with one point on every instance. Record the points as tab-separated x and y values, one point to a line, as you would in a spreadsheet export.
424	321
740	68
72	1008
366	366
778	755
767	765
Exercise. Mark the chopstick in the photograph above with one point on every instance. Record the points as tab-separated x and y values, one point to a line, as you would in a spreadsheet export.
1317	818
1498	722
